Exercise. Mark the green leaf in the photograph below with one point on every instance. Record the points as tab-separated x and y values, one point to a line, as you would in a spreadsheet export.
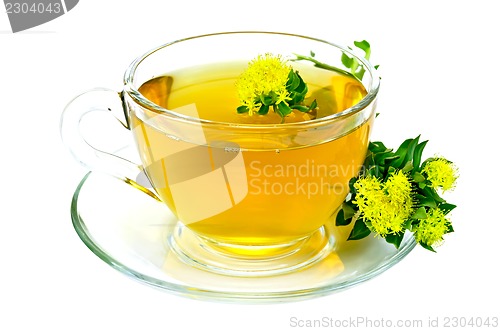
408	224
375	171
293	81
341	220
352	181
388	159
425	201
411	150
395	239
365	46
348	209
383	158
418	177
447	207
242	109
427	247
431	193
420	213
369	162
408	167
300	108
405	151
283	109
302	87
417	156
266	100
391	170
297	89
377	146
313	105
263	110
359	72
401	152
346	60
359	231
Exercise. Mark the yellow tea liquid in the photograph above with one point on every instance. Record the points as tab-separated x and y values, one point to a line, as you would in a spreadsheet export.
249	190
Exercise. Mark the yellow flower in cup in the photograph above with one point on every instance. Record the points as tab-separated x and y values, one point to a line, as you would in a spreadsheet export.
266	75
270	82
441	173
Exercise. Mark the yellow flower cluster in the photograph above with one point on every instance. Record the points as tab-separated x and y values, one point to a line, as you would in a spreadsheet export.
386	206
430	230
265	74
441	173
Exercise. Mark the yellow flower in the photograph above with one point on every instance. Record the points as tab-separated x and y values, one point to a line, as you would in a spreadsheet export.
265	75
441	173
430	230
385	205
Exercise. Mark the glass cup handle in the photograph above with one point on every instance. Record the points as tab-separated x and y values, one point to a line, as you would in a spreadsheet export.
99	100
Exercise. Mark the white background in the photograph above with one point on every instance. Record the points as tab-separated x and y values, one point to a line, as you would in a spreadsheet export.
440	78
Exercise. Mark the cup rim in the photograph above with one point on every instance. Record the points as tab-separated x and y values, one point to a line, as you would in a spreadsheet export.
134	93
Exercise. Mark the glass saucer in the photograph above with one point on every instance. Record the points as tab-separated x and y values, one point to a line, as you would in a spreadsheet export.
129	230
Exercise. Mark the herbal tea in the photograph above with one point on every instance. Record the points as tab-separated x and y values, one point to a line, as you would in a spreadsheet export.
253	188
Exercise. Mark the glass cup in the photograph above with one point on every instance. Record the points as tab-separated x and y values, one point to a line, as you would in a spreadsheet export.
252	199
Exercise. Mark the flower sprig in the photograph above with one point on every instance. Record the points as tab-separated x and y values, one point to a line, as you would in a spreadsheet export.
354	68
396	193
270	82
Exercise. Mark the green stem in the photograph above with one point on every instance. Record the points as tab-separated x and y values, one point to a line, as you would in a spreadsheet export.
320	64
